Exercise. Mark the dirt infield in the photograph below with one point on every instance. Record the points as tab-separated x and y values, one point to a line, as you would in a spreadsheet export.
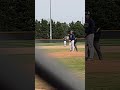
29	50
41	85
102	66
107	64
110	48
63	54
58	47
67	54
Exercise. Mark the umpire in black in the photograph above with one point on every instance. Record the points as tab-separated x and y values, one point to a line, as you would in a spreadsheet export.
96	43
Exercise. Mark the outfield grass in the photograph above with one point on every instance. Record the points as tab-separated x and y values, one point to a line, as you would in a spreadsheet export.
109	56
24	58
76	64
94	81
16	43
103	81
110	42
62	50
30	43
56	44
103	42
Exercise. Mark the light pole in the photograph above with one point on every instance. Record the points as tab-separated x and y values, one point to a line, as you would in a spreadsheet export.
50	23
82	20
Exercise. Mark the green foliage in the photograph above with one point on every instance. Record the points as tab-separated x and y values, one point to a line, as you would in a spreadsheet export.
105	13
44	28
77	27
17	15
59	30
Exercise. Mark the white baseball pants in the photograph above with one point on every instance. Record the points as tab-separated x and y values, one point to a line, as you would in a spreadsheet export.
65	43
72	47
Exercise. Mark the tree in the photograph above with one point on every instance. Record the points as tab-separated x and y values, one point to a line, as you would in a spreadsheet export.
65	28
37	28
44	29
17	15
78	28
105	13
59	30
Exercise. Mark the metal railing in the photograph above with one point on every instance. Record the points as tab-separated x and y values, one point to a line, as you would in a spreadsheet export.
55	74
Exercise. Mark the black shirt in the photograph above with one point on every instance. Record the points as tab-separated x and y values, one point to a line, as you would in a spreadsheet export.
90	25
97	35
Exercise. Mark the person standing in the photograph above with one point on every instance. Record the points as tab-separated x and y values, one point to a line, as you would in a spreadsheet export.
89	37
65	41
71	39
97	44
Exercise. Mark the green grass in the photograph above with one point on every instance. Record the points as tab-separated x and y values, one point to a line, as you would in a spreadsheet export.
94	81
55	44
103	81
48	44
110	42
62	50
77	64
74	63
103	42
18	58
16	43
111	56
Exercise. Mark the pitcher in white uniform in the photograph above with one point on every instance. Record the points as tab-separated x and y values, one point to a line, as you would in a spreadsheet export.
72	40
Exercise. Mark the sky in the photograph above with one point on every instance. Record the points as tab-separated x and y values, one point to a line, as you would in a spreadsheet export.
61	10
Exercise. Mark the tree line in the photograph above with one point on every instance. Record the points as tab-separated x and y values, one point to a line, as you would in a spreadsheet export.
17	15
59	30
106	13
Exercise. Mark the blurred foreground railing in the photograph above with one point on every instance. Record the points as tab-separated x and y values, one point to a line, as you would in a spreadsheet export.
55	74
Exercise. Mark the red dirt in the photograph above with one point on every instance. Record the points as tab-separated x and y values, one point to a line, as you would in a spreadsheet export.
102	66
41	85
29	50
67	54
57	47
110	48
96	66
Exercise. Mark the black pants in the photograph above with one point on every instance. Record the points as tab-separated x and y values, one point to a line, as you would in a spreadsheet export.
75	46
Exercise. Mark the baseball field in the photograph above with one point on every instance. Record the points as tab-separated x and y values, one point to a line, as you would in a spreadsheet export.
74	61
17	60
104	75
99	75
